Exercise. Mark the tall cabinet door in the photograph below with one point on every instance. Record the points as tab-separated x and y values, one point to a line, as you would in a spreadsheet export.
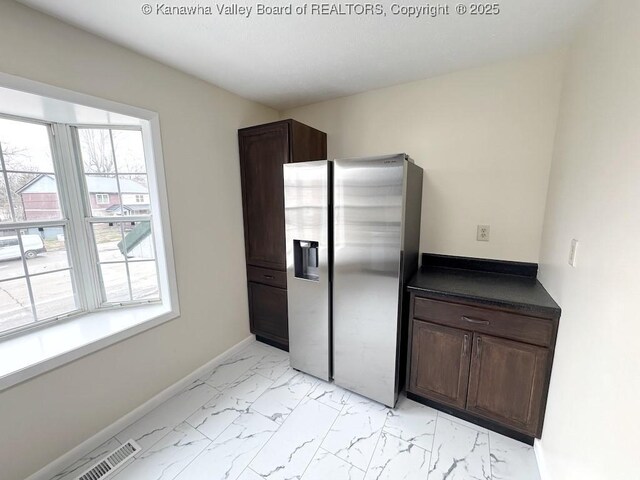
440	363
507	381
263	151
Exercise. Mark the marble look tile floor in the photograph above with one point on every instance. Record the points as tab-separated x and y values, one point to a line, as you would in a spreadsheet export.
254	417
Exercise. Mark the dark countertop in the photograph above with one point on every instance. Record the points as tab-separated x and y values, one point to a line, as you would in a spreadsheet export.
515	292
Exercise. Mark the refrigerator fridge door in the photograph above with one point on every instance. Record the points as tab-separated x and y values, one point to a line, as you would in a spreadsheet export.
368	211
307	223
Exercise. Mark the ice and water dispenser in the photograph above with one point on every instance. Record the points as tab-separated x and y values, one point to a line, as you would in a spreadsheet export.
305	258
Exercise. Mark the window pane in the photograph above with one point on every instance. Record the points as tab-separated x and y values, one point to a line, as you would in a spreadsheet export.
11	265
35	196
5	208
45	249
138	241
108	238
106	202
103	195
96	151
53	294
15	306
25	146
114	279
129	151
144	280
135	194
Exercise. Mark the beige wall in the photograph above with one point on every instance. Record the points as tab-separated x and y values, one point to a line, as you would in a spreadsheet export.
45	417
484	138
592	422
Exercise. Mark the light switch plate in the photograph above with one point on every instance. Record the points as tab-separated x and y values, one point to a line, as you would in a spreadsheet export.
573	252
483	233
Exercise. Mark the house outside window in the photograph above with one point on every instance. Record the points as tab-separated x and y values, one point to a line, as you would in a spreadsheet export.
139	198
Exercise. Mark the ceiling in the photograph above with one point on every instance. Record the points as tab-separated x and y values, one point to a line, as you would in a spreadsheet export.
291	60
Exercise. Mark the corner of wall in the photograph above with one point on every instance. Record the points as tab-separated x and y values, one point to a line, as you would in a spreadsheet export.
542	465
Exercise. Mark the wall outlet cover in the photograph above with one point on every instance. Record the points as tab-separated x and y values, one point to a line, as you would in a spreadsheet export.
483	233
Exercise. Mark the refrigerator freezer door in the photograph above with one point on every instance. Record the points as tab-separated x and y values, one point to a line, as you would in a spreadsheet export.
307	216
368	222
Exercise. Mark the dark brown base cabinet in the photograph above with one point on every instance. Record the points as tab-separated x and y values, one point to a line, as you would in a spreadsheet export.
267	309
263	151
490	365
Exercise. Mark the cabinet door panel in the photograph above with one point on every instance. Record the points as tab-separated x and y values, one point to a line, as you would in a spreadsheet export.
263	151
506	382
268	312
440	363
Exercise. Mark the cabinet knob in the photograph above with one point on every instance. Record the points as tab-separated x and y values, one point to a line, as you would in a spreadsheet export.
478	346
465	345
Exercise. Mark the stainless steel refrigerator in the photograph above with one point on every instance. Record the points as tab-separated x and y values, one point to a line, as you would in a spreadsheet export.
352	233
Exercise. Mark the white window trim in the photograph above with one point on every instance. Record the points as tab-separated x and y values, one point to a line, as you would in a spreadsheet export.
33	352
102	195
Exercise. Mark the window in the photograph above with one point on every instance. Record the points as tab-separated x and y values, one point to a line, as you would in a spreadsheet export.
36	277
102	198
76	234
113	161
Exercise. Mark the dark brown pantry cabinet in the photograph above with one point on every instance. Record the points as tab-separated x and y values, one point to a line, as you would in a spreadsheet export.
263	151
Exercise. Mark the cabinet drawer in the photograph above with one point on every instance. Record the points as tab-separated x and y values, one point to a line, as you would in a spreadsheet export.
267	276
527	329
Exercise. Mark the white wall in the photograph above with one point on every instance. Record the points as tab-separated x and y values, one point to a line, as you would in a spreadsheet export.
592	421
484	138
45	417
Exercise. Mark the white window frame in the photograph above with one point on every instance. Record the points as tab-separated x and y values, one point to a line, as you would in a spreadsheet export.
36	350
91	295
96	292
62	222
102	195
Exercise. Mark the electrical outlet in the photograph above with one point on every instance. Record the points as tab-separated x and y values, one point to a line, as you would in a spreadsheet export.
483	233
573	252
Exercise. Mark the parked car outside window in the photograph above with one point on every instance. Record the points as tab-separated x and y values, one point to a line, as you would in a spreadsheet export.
10	247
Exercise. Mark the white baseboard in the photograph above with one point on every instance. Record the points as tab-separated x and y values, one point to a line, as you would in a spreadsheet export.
105	434
542	464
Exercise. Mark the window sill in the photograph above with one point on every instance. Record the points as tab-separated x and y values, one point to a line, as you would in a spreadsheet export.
30	354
